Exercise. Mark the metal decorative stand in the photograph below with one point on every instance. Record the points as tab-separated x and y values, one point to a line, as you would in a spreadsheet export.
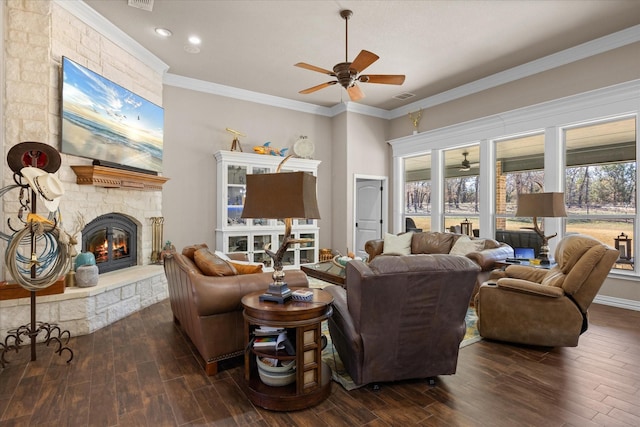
34	232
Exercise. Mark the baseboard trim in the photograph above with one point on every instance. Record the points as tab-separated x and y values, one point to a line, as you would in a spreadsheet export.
617	302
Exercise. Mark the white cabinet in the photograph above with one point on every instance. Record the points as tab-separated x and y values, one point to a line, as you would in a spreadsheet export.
236	234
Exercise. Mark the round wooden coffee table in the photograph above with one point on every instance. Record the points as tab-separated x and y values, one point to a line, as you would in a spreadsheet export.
302	320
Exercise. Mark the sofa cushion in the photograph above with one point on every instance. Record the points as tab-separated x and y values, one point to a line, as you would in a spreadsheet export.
465	245
397	245
246	267
212	265
190	250
432	242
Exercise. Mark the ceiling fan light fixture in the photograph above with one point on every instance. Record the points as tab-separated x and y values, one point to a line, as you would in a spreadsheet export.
347	73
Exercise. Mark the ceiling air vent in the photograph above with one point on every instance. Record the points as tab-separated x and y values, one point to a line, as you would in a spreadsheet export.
142	4
404	95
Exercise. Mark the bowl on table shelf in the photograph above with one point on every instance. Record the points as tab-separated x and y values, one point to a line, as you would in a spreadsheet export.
276	373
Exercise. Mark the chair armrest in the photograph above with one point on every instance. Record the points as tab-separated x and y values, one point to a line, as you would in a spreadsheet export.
487	258
342	318
526	272
215	295
525	286
374	248
238	256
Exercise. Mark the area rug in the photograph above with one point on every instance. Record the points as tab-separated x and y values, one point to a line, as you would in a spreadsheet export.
332	359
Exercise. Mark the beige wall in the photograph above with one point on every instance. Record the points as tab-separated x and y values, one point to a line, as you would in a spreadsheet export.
195	125
616	66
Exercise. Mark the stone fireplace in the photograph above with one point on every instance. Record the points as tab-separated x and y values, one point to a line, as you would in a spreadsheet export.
112	238
36	36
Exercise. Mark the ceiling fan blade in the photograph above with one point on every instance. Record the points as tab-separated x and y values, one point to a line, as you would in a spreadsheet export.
313	68
363	60
318	87
355	93
387	79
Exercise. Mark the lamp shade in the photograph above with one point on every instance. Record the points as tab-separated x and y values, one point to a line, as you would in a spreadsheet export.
541	205
281	195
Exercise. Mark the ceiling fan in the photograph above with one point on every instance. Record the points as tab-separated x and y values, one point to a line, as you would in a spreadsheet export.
348	73
466	165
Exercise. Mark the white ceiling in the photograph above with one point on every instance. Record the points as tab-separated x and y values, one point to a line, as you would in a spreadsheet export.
438	45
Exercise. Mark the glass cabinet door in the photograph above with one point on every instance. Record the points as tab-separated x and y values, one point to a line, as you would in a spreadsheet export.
237	243
236	181
307	250
260	222
258	254
289	257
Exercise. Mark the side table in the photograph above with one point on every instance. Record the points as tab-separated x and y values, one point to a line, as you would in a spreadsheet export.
303	323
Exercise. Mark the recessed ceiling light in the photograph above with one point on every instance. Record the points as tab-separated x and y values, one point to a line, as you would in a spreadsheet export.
163	32
194	40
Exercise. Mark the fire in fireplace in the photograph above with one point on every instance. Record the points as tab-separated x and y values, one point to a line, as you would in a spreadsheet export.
112	240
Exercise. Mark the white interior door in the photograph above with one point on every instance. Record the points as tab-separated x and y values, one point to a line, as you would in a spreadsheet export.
368	217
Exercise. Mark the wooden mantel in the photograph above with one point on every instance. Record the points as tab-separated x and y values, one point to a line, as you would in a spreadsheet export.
102	176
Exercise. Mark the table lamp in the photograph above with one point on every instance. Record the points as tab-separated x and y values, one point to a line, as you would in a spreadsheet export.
285	196
546	205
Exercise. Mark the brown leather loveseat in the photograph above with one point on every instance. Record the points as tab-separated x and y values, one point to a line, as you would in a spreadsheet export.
402	317
208	308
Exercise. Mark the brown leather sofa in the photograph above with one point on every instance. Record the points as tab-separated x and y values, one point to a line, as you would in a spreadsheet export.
402	317
208	308
433	242
535	306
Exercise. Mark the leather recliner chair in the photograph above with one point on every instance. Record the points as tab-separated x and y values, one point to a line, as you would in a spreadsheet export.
402	317
209	308
535	306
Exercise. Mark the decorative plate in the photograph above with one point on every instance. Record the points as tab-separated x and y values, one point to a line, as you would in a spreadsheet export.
304	147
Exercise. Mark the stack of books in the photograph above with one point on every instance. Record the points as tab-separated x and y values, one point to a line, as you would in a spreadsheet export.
269	338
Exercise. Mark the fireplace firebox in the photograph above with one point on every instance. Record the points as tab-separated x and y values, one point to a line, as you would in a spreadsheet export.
112	240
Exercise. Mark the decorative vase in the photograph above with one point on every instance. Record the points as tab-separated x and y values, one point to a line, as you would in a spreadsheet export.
86	276
85	258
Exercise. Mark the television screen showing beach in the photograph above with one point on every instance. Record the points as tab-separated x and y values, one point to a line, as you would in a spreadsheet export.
104	121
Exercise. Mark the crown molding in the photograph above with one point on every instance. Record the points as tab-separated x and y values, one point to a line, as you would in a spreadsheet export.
558	59
89	16
244	95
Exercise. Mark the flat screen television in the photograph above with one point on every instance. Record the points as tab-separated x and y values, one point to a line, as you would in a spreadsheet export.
108	123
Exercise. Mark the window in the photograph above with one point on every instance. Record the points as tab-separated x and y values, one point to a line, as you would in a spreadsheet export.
461	186
600	184
519	169
417	191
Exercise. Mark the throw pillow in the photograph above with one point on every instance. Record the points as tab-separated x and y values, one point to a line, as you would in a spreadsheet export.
211	265
397	245
246	267
465	245
188	251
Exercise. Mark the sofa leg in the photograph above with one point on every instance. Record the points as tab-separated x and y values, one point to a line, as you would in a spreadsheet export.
376	387
431	381
211	368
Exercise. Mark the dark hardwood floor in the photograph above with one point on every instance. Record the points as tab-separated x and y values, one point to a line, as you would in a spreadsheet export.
140	371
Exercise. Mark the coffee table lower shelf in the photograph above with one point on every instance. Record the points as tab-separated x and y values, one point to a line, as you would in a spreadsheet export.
285	398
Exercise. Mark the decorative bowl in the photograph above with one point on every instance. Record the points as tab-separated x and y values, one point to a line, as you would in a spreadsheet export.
276	376
283	365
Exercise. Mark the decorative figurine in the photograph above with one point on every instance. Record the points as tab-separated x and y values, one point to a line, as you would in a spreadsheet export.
235	144
266	149
415	120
